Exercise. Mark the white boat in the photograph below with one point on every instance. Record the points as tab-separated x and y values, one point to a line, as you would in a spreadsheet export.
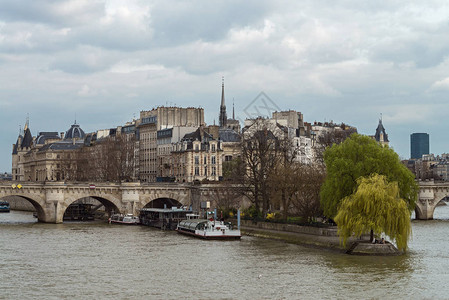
128	219
207	229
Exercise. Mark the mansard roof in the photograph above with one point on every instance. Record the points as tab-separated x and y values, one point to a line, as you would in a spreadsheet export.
40	140
63	145
196	135
228	135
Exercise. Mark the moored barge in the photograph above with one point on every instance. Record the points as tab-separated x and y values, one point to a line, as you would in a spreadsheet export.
207	229
164	218
128	219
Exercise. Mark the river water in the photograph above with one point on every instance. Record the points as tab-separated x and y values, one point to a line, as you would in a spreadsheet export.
102	261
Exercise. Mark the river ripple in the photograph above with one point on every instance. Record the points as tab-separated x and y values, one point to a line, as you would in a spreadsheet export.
98	260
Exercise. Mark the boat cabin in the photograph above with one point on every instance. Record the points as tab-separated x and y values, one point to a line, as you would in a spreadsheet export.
164	218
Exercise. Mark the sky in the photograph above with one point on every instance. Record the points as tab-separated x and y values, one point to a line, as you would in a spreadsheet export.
102	62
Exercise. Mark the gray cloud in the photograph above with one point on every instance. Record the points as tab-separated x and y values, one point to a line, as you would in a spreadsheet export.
55	13
178	22
346	61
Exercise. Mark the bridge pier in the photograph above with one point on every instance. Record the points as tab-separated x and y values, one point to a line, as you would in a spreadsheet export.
430	194
424	209
54	211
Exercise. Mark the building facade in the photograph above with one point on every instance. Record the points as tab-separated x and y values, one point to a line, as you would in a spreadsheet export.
166	139
286	125
197	157
157	120
47	157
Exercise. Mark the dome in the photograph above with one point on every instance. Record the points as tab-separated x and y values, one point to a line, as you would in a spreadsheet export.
75	132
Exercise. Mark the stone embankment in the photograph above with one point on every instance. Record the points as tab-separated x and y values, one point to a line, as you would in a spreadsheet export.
318	237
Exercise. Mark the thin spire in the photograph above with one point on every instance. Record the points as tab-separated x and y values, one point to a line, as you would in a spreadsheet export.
222	120
222	92
27	123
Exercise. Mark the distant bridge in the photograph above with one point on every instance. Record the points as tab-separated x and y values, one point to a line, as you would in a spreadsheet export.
51	199
430	194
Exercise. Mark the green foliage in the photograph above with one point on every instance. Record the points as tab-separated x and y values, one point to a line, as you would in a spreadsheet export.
375	205
360	156
227	212
252	213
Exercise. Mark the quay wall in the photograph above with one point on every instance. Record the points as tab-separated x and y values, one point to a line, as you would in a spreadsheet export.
302	235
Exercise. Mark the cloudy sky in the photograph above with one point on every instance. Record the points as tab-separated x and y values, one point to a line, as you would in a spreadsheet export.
102	62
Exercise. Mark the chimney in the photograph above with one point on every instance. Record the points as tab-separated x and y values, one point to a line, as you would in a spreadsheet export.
62	135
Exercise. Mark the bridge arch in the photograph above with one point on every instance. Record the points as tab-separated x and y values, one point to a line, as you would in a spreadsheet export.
162	202
111	204
170	198
418	212
37	202
439	200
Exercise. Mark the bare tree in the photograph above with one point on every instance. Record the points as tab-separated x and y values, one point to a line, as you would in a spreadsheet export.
306	200
109	159
227	196
259	152
329	138
283	179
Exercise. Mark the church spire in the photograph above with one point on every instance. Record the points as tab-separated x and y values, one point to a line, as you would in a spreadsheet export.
27	123
222	92
223	118
233	112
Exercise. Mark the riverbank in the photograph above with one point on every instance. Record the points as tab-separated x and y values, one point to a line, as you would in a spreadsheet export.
316	237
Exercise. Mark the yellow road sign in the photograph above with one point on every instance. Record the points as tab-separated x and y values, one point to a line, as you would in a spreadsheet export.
13	186
19	186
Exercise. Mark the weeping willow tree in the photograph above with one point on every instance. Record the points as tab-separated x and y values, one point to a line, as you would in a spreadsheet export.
375	206
361	156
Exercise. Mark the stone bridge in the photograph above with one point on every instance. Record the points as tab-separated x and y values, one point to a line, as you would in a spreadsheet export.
51	199
430	194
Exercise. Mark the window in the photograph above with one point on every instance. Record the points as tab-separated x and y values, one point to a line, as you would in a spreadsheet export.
213	160
205	171
213	147
214	171
196	147
197	171
205	160
228	157
197	160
